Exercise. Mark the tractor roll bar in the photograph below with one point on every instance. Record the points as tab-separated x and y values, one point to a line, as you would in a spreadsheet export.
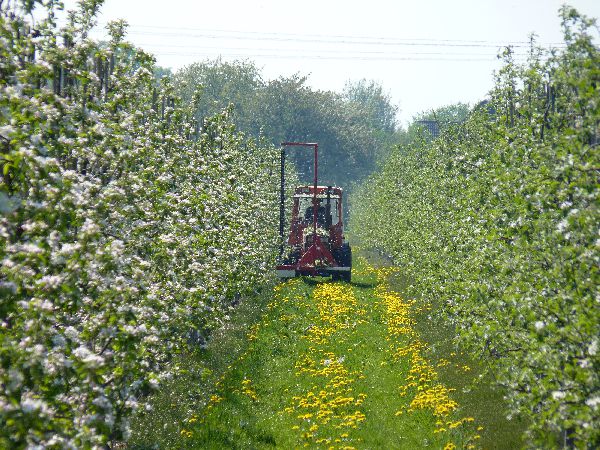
282	196
281	202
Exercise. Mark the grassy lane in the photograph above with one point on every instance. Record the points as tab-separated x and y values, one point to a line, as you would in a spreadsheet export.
332	365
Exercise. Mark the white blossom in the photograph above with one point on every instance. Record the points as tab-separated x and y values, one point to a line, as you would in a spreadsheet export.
593	402
90	359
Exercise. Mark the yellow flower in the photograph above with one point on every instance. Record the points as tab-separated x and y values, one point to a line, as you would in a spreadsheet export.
186	433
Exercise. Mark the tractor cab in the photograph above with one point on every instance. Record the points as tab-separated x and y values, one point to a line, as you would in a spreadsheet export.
315	243
329	213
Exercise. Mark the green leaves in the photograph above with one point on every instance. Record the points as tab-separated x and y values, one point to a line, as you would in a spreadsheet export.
123	230
497	224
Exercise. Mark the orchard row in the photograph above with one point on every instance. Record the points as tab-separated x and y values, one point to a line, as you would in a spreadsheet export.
128	228
496	222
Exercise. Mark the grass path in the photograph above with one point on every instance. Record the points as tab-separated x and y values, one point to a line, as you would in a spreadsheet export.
333	365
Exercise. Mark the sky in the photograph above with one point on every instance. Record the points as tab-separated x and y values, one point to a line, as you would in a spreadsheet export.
425	53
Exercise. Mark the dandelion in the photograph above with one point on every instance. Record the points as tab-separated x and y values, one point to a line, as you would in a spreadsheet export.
186	433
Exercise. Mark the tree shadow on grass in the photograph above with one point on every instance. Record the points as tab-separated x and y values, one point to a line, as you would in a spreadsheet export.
360	285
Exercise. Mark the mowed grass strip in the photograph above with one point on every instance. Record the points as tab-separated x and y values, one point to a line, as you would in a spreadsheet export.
331	365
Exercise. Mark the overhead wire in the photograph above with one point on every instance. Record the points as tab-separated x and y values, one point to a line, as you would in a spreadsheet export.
321	38
391	49
320	54
320	50
329	41
332	58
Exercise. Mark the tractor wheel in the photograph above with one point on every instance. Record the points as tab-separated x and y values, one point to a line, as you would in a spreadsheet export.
343	257
292	258
347	276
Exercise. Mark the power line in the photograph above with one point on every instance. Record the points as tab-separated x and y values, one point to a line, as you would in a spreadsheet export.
323	57
330	36
323	51
326	41
332	55
321	39
390	49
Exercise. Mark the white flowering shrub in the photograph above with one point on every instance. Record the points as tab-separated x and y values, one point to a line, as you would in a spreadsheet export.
497	221
124	226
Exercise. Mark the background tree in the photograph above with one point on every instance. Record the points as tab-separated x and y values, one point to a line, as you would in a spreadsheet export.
353	129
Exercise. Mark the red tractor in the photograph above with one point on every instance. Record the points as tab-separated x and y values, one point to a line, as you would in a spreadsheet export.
315	245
